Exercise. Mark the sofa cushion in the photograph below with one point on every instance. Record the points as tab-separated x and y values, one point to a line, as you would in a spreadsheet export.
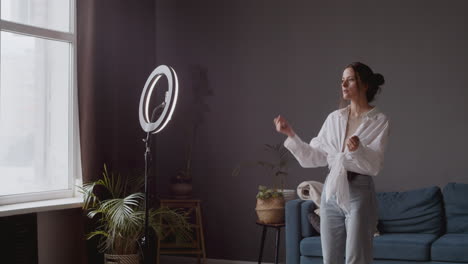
415	211
414	247
456	207
451	247
386	261
312	260
403	246
311	247
437	262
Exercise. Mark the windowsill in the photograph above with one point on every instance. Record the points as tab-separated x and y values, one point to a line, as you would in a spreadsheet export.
40	206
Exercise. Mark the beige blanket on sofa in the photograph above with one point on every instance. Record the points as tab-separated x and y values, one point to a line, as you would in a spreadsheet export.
311	190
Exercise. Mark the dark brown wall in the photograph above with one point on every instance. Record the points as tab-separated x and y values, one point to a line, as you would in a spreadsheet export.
265	58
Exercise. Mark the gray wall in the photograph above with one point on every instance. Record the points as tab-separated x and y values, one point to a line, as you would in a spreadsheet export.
265	58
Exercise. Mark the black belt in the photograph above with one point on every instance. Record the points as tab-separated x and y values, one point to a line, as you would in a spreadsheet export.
352	175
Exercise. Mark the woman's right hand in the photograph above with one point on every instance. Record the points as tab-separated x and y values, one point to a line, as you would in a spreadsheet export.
283	127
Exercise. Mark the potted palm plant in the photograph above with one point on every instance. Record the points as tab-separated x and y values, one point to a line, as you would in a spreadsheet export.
118	206
270	201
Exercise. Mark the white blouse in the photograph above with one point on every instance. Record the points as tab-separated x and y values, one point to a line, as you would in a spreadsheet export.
325	149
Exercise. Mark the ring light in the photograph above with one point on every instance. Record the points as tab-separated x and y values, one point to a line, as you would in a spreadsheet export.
169	103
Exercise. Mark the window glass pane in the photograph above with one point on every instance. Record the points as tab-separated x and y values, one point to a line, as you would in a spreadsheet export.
34	114
51	14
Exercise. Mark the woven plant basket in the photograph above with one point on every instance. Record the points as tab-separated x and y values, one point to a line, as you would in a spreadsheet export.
270	211
122	259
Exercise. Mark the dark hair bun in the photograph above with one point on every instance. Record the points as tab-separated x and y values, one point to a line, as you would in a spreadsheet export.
367	76
378	79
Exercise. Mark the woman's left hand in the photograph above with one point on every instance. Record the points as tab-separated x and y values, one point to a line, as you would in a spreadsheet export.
353	143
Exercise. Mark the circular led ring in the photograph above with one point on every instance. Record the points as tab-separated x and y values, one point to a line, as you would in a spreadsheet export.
170	99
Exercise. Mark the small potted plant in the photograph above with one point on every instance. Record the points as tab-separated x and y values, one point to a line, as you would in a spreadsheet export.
118	206
181	182
278	168
270	206
270	201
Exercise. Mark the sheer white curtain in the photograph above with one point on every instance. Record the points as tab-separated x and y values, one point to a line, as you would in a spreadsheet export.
38	118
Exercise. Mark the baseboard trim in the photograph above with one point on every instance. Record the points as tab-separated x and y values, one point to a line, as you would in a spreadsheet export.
193	260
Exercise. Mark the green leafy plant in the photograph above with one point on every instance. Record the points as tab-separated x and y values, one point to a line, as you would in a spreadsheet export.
265	193
118	206
276	166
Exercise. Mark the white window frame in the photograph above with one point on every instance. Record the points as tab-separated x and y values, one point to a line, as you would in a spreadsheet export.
74	156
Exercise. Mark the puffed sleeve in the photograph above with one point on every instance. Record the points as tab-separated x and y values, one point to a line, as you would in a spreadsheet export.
368	158
310	155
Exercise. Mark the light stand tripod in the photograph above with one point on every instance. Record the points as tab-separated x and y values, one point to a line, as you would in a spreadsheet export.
167	106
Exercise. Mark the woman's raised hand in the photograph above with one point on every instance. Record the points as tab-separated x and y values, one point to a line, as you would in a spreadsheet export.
283	127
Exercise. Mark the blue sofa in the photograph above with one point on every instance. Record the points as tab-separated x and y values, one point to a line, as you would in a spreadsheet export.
420	226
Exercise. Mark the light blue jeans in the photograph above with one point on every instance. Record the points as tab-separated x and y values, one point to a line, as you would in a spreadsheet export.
349	234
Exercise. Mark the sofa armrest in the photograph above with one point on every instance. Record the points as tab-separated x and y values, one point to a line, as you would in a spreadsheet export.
297	227
293	231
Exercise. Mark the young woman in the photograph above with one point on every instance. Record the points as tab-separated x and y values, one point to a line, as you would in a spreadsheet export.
351	142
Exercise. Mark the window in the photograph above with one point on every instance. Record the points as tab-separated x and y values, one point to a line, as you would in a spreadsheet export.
39	143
